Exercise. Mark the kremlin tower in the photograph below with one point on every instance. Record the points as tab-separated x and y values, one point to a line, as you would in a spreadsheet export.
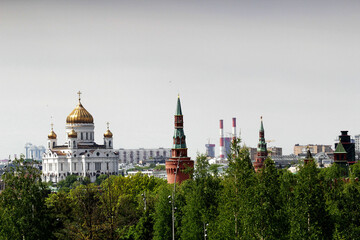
179	160
261	149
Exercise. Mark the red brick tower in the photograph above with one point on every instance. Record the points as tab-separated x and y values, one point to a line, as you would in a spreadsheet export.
179	160
261	149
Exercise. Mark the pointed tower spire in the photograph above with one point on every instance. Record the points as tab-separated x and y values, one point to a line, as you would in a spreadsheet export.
179	160
261	149
178	108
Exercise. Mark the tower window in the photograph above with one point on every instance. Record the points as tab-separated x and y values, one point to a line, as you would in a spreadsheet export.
82	137
73	143
86	136
53	144
109	143
61	167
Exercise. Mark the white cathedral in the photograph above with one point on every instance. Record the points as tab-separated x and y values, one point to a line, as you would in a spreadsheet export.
80	155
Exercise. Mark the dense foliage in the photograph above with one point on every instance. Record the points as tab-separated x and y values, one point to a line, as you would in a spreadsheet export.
237	204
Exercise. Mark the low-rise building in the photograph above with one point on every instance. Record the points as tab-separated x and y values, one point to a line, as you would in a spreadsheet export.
143	155
314	149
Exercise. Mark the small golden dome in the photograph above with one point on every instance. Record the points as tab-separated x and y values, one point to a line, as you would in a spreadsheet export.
52	135
72	134
79	115
108	133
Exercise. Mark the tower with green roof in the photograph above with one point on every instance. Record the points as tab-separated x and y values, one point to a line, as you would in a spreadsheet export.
179	161
340	158
261	149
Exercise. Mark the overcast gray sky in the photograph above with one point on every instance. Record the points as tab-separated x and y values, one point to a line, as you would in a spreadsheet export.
294	62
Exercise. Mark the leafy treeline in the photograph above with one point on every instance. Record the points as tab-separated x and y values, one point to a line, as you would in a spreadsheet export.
271	204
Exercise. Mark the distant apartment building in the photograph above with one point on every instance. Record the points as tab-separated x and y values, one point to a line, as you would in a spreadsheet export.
357	143
34	152
227	141
210	150
141	155
272	151
314	149
156	173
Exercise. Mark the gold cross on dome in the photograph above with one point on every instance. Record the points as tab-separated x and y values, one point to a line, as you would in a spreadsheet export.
107	123
79	93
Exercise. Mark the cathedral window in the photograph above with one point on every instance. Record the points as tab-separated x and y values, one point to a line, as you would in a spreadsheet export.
88	166
50	166
61	167
82	136
97	166
73	143
49	145
74	166
53	144
86	136
109	143
107	166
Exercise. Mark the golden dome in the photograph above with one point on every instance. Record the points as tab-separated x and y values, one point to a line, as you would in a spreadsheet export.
79	114
108	133
52	135
72	134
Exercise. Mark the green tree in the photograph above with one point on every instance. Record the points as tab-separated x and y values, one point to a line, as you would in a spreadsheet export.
236	197
101	178
200	207
267	215
347	225
163	215
309	219
67	183
23	214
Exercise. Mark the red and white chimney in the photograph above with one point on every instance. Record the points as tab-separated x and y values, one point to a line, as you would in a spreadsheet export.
234	128
222	149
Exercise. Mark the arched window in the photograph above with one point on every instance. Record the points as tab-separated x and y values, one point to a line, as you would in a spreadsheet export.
109	143
82	137
53	144
49	145
86	136
73	143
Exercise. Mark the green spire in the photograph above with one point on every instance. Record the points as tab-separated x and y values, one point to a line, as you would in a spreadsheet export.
178	108
340	148
261	126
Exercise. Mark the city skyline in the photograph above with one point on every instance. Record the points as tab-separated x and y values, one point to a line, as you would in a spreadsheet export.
295	64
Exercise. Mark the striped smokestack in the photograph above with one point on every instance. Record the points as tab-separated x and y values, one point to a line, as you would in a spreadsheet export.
234	128
222	139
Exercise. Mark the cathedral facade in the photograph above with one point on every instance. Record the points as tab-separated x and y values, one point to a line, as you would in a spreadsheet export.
79	155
